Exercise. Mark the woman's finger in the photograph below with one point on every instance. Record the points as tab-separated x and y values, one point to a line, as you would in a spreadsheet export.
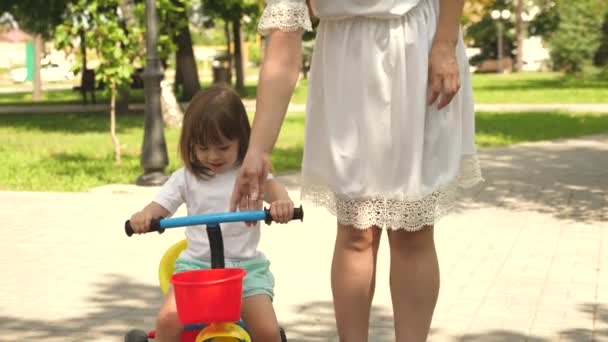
434	87
451	85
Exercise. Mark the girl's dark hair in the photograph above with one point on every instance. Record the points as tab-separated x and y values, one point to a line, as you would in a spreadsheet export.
213	115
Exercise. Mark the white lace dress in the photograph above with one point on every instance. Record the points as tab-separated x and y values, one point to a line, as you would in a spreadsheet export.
375	154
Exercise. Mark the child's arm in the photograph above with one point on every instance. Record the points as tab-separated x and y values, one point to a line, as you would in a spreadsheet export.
281	206
140	221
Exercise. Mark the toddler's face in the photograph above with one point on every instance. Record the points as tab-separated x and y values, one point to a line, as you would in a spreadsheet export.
219	157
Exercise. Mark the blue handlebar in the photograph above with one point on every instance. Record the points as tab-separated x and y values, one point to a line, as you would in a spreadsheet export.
212	219
159	225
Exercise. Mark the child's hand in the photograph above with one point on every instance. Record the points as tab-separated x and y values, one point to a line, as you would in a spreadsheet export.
140	222
281	211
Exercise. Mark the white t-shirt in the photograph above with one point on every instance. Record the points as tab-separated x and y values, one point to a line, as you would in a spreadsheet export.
203	197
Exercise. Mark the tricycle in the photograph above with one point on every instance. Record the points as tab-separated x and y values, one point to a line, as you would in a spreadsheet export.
208	301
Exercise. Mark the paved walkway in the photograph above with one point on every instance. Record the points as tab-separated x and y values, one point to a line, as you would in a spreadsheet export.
295	107
524	258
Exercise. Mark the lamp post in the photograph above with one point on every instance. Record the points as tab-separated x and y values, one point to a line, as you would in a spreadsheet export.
154	150
499	16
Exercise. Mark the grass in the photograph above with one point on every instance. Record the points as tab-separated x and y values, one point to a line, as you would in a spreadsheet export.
62	96
501	129
70	152
539	88
68	96
73	152
536	88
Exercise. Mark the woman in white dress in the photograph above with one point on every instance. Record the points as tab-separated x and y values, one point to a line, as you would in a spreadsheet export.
389	140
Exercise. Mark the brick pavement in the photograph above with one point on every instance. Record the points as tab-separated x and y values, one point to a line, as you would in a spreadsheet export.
522	259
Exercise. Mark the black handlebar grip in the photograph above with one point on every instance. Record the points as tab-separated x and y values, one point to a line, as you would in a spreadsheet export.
298	214
128	229
154	227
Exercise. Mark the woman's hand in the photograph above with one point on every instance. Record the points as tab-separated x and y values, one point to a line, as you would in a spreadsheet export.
248	191
281	211
444	78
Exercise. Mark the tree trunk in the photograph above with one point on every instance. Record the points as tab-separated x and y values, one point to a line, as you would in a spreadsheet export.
238	55
172	111
128	9
177	80
520	35
228	49
122	105
186	65
113	124
38	46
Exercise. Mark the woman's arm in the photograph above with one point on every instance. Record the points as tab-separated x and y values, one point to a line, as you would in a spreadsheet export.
278	76
283	23
448	26
444	77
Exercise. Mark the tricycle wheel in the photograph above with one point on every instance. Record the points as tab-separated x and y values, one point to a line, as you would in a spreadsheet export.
283	336
136	336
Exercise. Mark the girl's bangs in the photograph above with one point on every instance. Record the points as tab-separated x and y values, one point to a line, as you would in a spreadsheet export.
215	130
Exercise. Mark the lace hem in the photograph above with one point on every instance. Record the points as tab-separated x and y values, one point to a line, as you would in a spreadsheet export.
410	214
284	16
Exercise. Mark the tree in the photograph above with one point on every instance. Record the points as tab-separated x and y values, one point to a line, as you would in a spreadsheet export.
33	17
110	40
38	20
601	56
545	23
577	38
232	13
186	73
475	10
483	34
173	20
520	34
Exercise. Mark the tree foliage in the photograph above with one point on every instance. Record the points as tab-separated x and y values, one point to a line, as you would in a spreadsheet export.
101	24
34	17
577	37
483	34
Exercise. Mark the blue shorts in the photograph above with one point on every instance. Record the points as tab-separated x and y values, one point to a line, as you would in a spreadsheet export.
258	280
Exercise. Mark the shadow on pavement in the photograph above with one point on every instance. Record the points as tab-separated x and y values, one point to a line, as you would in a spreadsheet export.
117	305
596	313
315	323
567	181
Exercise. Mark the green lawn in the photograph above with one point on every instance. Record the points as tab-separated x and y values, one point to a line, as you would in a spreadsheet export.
501	129
67	96
73	152
538	88
488	88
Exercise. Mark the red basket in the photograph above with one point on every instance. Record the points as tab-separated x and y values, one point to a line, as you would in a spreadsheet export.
208	296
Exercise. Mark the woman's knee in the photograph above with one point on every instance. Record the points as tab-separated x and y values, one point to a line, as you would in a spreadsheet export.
356	239
407	241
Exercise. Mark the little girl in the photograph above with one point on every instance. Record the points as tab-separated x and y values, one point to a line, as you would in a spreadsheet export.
214	139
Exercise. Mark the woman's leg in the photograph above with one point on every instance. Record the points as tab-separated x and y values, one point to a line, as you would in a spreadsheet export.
168	326
353	278
258	313
414	280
